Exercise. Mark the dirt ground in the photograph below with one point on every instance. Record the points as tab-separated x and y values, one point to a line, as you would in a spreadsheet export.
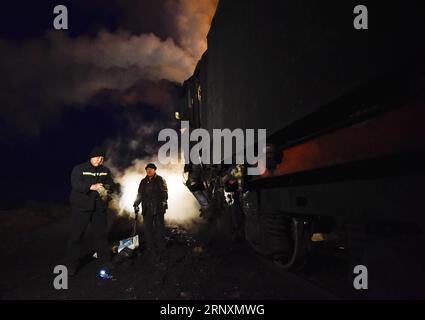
197	265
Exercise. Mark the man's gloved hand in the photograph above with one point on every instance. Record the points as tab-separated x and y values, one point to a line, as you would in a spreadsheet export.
103	193
136	208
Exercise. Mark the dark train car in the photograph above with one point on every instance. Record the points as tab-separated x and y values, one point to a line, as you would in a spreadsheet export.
344	112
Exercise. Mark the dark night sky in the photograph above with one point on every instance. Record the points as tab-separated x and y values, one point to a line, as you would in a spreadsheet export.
47	126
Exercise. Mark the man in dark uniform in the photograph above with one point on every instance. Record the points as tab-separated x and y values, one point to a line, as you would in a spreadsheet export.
153	195
92	184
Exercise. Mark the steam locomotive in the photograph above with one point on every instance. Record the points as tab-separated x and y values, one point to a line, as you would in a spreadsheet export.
344	111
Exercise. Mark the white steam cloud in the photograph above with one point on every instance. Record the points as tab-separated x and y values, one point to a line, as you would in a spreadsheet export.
183	208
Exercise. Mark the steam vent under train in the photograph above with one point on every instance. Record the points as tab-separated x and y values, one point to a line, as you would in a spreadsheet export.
344	112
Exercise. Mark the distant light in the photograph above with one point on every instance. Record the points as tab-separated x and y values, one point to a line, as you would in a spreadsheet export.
177	115
317	237
102	273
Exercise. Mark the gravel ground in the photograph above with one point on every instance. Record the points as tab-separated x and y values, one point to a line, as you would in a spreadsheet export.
197	265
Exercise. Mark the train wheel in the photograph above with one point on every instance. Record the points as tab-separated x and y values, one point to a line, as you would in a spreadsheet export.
298	239
283	238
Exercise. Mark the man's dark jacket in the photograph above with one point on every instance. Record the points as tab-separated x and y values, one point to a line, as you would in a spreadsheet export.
82	177
152	193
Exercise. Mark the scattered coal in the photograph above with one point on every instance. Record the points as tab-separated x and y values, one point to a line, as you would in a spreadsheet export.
201	265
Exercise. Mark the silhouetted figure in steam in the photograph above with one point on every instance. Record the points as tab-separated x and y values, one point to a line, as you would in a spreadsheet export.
153	194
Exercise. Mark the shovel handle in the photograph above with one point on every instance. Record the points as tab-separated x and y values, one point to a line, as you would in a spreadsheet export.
136	216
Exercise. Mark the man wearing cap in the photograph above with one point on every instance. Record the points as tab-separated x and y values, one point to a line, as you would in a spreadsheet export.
153	195
92	184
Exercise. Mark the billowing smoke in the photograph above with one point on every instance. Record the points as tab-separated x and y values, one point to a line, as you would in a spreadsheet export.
193	21
156	46
59	71
42	76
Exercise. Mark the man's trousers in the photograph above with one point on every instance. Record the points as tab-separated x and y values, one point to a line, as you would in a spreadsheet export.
154	228
79	221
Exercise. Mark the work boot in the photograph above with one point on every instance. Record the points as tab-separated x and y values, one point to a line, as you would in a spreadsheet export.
73	269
